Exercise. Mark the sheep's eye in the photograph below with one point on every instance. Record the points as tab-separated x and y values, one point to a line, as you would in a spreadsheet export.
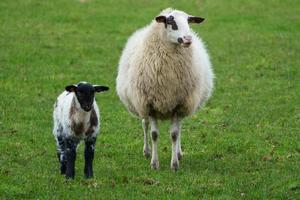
173	24
170	20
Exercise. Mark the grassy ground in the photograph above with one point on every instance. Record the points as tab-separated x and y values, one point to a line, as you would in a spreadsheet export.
245	144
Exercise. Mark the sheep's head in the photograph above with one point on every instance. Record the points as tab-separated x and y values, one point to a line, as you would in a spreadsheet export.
85	93
177	26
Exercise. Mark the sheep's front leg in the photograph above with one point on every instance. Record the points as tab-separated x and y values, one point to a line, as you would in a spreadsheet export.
175	135
89	156
70	157
146	148
154	134
61	154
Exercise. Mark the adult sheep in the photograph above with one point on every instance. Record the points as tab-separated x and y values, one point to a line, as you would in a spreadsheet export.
165	73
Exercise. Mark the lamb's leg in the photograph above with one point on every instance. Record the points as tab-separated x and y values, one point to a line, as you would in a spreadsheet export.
146	148
175	132
89	156
60	146
61	153
154	134
71	145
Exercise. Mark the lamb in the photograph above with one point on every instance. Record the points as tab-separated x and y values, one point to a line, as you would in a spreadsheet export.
165	73
76	117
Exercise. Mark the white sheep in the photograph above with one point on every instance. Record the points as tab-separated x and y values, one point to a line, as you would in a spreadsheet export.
165	73
76	117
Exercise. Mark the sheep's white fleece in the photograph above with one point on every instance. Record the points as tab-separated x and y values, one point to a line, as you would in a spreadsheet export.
156	77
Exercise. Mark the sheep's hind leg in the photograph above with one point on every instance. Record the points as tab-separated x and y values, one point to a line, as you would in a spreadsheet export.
154	134
179	150
71	145
145	123
89	157
175	133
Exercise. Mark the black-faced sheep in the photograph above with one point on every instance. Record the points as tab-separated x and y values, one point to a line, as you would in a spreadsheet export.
76	117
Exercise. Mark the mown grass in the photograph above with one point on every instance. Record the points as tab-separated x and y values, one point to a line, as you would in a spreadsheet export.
245	144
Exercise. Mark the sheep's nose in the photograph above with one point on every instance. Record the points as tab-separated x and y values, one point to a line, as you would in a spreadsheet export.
180	40
187	39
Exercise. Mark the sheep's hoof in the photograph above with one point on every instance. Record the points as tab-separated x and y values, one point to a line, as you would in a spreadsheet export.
179	155
175	165
155	164
147	153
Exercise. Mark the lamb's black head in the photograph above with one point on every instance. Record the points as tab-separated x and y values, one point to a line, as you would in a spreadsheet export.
85	93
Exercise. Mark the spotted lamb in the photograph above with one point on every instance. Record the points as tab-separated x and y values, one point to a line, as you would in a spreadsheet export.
76	117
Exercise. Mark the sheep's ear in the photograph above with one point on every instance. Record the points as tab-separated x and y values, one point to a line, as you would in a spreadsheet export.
161	19
100	88
197	20
71	88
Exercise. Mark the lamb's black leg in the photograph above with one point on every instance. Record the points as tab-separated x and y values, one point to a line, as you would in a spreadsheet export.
61	154
89	156
70	157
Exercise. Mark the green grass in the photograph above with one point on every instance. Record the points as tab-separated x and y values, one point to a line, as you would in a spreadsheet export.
245	144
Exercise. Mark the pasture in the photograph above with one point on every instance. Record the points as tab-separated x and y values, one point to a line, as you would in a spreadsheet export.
244	144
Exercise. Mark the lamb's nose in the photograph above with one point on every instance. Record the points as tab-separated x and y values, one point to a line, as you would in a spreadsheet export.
87	107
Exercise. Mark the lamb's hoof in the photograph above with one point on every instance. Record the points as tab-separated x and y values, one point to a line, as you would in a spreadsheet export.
155	164
88	176
175	166
68	178
179	155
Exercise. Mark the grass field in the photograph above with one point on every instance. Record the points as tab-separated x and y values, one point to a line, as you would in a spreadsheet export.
245	144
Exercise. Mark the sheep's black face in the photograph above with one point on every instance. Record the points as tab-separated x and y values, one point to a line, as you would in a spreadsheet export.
85	94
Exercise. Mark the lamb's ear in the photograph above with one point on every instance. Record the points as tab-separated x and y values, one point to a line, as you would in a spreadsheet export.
100	88
71	88
161	19
197	20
